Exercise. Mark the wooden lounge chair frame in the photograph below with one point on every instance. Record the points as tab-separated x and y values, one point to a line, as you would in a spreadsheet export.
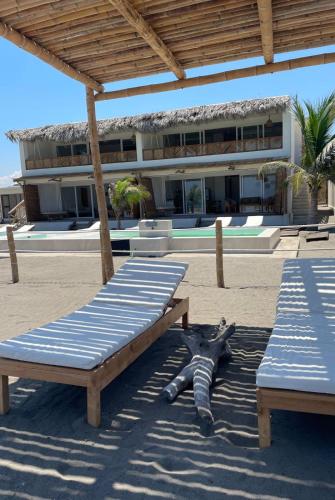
98	378
283	399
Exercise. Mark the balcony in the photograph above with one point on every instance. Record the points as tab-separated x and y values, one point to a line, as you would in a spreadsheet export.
214	148
79	160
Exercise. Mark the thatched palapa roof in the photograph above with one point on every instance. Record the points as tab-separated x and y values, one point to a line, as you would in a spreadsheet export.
153	122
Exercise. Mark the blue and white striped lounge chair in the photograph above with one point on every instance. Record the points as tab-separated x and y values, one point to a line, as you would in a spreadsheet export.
298	369
93	345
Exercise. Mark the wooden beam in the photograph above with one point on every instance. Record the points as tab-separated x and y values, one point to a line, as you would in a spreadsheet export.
105	243
301	62
37	50
135	19
265	19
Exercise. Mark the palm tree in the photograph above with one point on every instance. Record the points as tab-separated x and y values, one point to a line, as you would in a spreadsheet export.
124	194
317	165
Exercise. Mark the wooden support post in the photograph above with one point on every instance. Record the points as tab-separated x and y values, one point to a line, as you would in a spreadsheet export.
264	422
105	242
93	406
219	254
12	255
4	395
265	18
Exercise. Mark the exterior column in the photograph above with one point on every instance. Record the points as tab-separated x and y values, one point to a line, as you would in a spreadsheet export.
139	148
105	243
32	202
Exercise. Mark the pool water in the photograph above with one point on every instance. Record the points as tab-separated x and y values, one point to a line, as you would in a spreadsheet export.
25	236
196	233
125	234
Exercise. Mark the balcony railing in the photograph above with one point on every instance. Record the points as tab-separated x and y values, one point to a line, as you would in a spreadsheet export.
78	160
213	148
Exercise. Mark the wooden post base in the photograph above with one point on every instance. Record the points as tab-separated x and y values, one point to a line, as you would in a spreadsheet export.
4	395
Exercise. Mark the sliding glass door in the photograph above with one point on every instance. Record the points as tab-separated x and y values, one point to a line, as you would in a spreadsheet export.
193	196
77	201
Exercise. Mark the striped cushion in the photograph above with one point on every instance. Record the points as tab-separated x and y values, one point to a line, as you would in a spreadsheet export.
128	305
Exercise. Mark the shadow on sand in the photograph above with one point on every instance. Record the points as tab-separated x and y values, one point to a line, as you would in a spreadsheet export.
147	448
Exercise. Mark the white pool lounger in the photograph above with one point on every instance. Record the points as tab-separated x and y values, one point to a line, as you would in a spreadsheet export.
93	345
225	221
298	369
254	221
25	228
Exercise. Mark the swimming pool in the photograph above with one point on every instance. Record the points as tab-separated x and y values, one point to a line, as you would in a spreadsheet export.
129	234
201	239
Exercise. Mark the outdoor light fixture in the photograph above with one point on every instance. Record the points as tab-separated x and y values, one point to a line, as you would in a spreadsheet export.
19	182
268	123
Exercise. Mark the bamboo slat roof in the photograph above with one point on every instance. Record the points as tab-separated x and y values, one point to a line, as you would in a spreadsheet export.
110	40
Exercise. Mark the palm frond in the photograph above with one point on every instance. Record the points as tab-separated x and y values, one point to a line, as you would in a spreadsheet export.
316	128
125	193
297	179
326	160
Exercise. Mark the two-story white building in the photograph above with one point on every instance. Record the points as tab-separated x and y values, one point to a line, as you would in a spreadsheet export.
201	160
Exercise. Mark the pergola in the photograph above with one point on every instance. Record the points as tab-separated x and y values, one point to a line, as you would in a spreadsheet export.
100	41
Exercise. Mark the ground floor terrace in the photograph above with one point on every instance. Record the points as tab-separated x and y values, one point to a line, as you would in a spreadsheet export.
193	192
147	448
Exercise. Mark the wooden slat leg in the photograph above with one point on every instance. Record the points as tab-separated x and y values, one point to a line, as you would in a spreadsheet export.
264	427
94	406
4	395
184	321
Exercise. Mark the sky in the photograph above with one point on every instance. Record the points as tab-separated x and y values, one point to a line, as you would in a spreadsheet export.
33	94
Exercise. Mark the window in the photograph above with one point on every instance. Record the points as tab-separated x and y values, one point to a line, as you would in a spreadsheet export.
220	135
84	205
251	200
79	149
192	138
174	195
269	186
110	146
64	150
249	135
260	131
129	144
250	132
171	140
276	130
251	186
69	201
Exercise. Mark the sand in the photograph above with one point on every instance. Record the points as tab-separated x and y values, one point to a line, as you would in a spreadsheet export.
147	448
